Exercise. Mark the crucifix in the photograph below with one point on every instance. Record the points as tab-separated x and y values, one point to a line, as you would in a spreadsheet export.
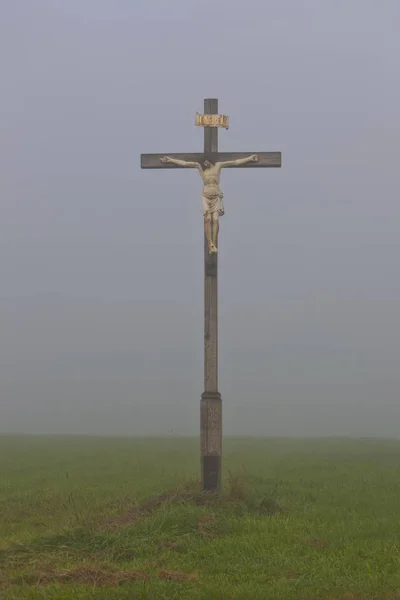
209	164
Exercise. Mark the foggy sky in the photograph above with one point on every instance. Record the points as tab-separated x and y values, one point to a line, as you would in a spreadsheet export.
101	264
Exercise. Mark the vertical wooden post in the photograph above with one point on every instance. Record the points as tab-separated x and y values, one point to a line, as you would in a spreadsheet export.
211	403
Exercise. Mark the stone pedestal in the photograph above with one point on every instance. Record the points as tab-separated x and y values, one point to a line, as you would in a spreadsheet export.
211	440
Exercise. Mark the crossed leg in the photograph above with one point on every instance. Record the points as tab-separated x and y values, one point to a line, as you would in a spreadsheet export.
211	227
215	230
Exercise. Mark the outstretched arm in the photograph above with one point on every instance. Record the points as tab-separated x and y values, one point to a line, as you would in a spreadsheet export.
239	161
180	163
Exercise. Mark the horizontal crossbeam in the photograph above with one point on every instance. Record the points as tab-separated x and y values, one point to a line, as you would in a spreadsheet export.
265	159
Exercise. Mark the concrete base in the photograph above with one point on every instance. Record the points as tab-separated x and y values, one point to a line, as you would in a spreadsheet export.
211	440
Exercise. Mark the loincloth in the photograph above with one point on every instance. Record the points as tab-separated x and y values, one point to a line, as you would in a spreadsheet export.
213	203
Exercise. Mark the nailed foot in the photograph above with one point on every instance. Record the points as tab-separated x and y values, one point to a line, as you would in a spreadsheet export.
212	249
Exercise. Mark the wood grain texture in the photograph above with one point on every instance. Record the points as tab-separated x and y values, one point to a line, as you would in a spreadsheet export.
266	159
210	133
210	321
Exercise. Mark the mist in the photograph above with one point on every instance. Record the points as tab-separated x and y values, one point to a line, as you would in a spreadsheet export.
101	263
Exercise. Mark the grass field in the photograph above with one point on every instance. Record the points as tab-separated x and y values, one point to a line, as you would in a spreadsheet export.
123	518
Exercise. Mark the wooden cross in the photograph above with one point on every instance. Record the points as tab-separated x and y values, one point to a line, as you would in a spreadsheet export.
211	402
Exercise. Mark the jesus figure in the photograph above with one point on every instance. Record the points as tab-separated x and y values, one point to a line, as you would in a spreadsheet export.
212	198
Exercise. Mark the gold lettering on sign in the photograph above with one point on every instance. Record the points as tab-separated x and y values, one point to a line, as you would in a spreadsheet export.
212	121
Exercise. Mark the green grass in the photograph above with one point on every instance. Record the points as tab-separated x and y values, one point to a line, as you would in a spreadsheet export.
123	518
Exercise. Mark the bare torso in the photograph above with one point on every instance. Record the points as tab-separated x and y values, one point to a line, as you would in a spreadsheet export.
211	177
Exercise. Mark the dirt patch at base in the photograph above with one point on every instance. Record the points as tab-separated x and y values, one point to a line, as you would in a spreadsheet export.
177	576
93	576
96	576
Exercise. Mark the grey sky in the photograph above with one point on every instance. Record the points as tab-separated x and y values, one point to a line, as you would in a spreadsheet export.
101	263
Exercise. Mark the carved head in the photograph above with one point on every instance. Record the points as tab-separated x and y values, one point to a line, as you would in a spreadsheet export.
206	164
